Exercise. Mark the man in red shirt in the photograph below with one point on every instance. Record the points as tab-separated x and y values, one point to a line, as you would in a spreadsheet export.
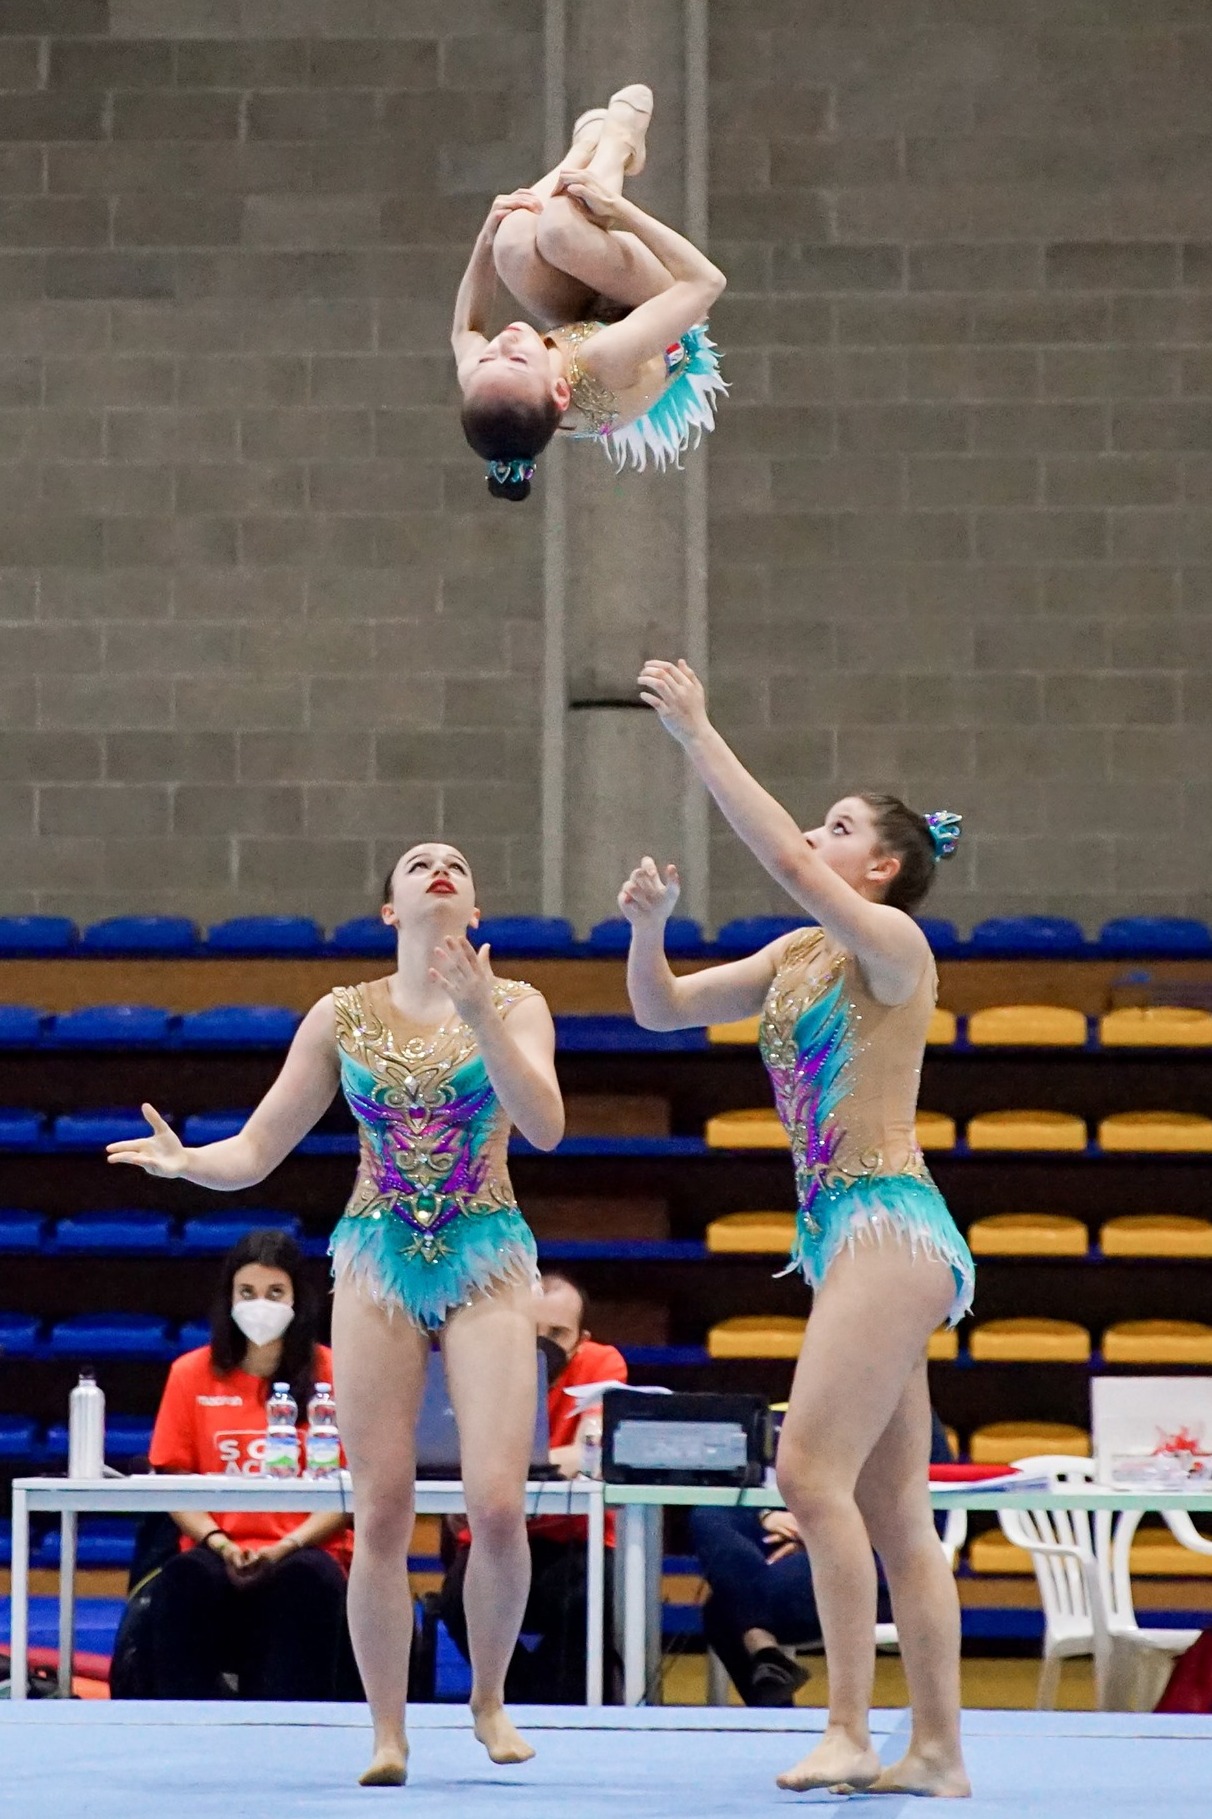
553	1670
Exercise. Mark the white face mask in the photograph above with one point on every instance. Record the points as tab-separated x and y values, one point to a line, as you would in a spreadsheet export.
262	1321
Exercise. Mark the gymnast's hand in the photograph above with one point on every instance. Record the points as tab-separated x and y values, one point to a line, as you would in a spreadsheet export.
508	205
602	205
466	977
163	1153
676	693
647	897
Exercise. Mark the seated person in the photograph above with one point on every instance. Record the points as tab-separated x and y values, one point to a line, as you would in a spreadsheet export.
760	1593
553	1671
261	1596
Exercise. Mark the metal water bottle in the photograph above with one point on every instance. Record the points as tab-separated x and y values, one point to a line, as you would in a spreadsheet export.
86	1429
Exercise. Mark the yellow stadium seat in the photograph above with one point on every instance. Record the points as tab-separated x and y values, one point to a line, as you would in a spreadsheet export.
1156	1235
943	1028
747	1130
752	1232
1030	1340
1158	1342
745	1032
935	1131
1027	1130
1156	1026
1002	1442
1168	1131
1028	1025
1028	1235
943	1345
1157	1555
757	1336
992	1553
953	1440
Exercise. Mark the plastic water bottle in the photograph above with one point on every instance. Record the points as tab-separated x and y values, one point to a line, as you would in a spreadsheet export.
323	1440
281	1435
86	1429
591	1444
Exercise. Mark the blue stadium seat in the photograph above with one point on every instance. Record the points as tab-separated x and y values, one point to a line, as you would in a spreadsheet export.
126	1437
266	935
943	936
1155	937
619	1034
93	1130
20	1026
362	935
239	1026
140	935
212	1127
684	939
213	1234
525	937
19	1335
112	1026
115	1234
97	1621
35	937
21	1130
193	1334
746	934
617	1146
1012	936
87	1336
20	1232
102	1541
18	1437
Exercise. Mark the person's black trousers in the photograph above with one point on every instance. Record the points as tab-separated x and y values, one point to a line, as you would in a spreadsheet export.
284	1636
553	1671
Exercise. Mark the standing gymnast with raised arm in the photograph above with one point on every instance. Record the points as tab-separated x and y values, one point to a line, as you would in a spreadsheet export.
622	355
845	1008
437	1061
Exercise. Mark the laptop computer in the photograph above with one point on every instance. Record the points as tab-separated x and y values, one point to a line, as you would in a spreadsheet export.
438	1436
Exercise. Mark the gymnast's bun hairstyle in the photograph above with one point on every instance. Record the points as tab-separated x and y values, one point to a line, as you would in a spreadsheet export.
920	842
510	436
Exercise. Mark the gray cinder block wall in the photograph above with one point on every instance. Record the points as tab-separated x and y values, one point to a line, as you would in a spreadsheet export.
258	625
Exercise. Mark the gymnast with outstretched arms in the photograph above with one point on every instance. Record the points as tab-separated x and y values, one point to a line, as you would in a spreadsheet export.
437	1062
621	356
844	1006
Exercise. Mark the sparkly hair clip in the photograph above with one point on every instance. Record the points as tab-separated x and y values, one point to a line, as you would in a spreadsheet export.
520	468
945	830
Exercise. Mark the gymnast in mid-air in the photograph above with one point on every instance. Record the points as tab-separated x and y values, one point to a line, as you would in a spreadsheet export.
621	356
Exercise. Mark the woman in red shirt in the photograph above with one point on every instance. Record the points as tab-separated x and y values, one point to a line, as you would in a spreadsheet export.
260	1595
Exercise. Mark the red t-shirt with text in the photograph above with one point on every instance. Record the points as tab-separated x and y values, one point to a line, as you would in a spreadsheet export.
208	1423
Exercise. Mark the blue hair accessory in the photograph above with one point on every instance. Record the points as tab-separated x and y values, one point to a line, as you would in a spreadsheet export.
945	831
520	468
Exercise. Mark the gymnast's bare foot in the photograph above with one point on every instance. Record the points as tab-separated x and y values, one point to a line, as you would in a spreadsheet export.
495	1729
836	1761
388	1767
923	1770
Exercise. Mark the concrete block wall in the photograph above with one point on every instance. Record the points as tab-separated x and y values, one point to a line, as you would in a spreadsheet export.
961	543
259	627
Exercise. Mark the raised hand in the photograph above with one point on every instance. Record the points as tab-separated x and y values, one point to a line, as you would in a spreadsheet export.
466	976
163	1153
676	693
586	188
648	896
508	205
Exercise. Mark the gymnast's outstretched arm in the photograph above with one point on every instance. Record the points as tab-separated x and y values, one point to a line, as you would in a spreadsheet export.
299	1096
888	944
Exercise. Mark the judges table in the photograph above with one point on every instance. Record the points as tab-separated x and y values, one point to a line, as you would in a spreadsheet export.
70	1498
640	1553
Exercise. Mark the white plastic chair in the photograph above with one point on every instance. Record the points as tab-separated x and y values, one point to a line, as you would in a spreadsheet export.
1083	1570
955	1533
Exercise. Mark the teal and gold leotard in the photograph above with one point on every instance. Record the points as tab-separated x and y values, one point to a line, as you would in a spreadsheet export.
845	1070
432	1220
